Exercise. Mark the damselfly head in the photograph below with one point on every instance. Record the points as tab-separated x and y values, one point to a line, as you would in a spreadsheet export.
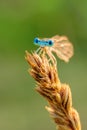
43	42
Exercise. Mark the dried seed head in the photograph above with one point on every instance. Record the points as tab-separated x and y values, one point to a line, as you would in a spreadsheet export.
57	94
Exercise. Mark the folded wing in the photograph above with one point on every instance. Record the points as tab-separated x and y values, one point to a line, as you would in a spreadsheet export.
62	47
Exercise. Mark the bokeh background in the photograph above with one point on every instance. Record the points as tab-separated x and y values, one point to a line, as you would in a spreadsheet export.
21	108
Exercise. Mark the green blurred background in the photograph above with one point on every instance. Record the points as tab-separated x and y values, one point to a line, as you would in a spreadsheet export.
21	108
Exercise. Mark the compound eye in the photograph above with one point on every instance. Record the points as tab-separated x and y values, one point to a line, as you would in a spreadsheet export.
50	42
36	40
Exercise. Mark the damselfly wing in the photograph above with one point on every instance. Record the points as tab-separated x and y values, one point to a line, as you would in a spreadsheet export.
62	47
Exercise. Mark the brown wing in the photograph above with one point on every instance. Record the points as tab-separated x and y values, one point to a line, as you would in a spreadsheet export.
62	47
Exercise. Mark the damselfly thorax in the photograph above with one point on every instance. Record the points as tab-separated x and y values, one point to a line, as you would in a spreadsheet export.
60	45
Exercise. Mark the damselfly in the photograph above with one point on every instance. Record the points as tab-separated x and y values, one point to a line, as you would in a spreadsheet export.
60	45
